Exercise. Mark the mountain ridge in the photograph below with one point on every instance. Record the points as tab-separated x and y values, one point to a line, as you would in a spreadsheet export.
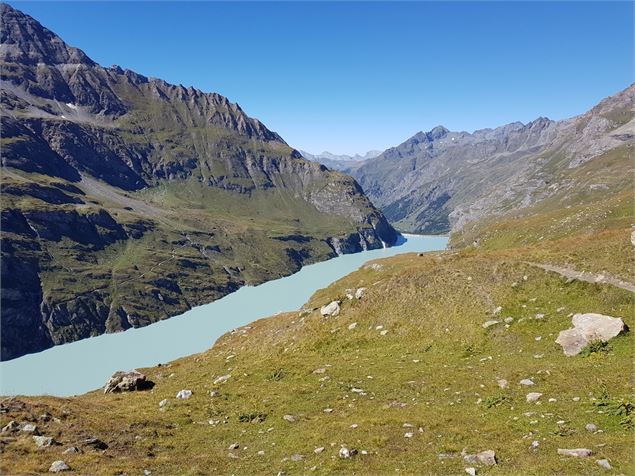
429	183
110	177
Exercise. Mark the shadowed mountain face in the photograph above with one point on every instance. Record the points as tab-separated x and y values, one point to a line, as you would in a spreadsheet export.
127	200
441	180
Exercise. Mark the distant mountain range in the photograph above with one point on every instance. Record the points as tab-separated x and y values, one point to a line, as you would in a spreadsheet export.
340	162
441	180
127	200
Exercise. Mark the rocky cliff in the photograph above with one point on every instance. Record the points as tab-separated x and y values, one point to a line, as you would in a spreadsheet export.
127	200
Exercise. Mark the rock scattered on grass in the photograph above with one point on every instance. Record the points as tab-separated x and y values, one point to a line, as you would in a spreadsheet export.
360	293
11	426
352	326
43	441
127	382
587	328
471	471
163	403
604	463
222	379
591	427
533	397
502	383
318	450
332	309
488	324
233	446
30	428
487	457
71	450
184	394
289	418
59	466
526	381
344	453
297	457
576	452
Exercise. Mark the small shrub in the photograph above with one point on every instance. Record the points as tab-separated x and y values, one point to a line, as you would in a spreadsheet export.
495	401
595	347
252	417
277	375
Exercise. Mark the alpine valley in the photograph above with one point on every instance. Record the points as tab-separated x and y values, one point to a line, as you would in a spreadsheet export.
127	200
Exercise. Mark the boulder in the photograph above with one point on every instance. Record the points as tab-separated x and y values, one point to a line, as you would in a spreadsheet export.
43	441
604	463
58	466
587	328
184	394
487	457
577	452
127	382
332	309
30	428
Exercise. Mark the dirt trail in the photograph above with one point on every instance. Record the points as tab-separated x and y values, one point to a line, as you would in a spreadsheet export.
586	276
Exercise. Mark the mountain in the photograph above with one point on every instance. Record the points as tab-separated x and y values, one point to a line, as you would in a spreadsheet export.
437	362
343	163
440	180
127	200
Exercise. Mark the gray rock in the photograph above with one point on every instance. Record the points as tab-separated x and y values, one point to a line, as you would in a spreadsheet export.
184	394
526	381
576	452
318	450
289	418
332	309
71	450
509	320
344	453
533	397
222	379
604	463
488	324
164	403
502	383
471	471
59	466
359	293
30	428
43	441
234	446
487	457
297	457
11	426
587	328
352	326
127	382
591	427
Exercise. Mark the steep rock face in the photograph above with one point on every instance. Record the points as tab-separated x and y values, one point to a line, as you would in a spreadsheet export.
127	200
440	180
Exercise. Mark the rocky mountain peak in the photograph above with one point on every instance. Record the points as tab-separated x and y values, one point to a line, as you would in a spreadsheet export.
24	40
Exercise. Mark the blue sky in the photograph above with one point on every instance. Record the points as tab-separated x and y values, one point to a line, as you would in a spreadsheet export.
349	77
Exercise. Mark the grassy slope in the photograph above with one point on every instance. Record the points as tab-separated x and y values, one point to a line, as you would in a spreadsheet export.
433	308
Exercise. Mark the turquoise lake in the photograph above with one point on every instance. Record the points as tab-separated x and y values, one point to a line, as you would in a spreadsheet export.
85	365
